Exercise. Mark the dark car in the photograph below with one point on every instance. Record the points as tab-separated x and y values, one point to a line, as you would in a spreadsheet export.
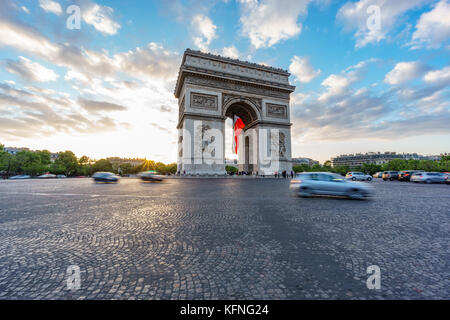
150	176
107	177
390	175
406	174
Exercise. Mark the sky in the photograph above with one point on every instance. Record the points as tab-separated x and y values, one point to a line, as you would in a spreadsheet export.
370	75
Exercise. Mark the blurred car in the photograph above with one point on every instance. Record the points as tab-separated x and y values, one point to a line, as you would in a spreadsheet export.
405	175
378	175
390	175
61	176
105	177
447	178
325	183
47	176
21	176
150	176
428	177
358	176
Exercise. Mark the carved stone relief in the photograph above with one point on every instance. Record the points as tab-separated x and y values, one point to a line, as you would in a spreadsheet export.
235	69
276	111
282	145
181	109
203	101
235	86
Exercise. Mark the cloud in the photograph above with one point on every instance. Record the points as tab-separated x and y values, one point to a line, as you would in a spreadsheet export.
50	6
441	76
345	112
338	85
26	39
302	69
83	65
25	9
433	27
101	18
355	16
204	31
25	114
231	52
268	22
96	106
165	108
160	127
404	72
152	60
29	71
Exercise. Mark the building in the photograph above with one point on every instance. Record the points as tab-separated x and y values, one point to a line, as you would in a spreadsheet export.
307	161
358	159
13	150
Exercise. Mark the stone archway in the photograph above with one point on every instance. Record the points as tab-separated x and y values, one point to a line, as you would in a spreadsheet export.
211	88
250	114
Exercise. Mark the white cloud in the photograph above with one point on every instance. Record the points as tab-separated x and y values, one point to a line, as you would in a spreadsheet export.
152	61
29	70
25	39
354	16
50	6
25	9
338	85
404	72
101	18
269	21
441	76
302	69
204	31
231	52
433	27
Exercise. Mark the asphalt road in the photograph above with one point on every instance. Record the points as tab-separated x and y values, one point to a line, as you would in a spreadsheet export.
220	239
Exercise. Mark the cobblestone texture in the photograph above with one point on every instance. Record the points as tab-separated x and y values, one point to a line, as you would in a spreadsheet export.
220	239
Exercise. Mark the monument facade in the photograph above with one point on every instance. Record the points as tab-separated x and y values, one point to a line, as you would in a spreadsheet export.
211	88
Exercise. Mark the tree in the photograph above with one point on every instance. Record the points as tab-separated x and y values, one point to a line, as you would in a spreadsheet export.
370	168
83	161
171	168
327	163
57	168
300	168
444	163
45	156
69	161
231	169
102	165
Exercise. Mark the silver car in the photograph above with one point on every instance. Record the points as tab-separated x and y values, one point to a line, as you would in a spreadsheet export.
428	177
354	176
325	183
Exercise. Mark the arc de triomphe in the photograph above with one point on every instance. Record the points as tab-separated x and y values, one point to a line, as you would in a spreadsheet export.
211	88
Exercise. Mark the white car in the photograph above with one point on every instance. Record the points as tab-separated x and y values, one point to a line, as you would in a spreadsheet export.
47	176
325	183
358	176
22	176
428	177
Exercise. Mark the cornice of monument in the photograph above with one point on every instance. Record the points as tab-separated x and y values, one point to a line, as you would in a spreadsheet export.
235	61
281	77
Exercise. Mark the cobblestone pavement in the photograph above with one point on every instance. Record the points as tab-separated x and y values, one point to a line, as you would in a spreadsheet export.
220	239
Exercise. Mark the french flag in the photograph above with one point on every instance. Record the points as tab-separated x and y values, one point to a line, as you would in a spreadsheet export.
238	128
